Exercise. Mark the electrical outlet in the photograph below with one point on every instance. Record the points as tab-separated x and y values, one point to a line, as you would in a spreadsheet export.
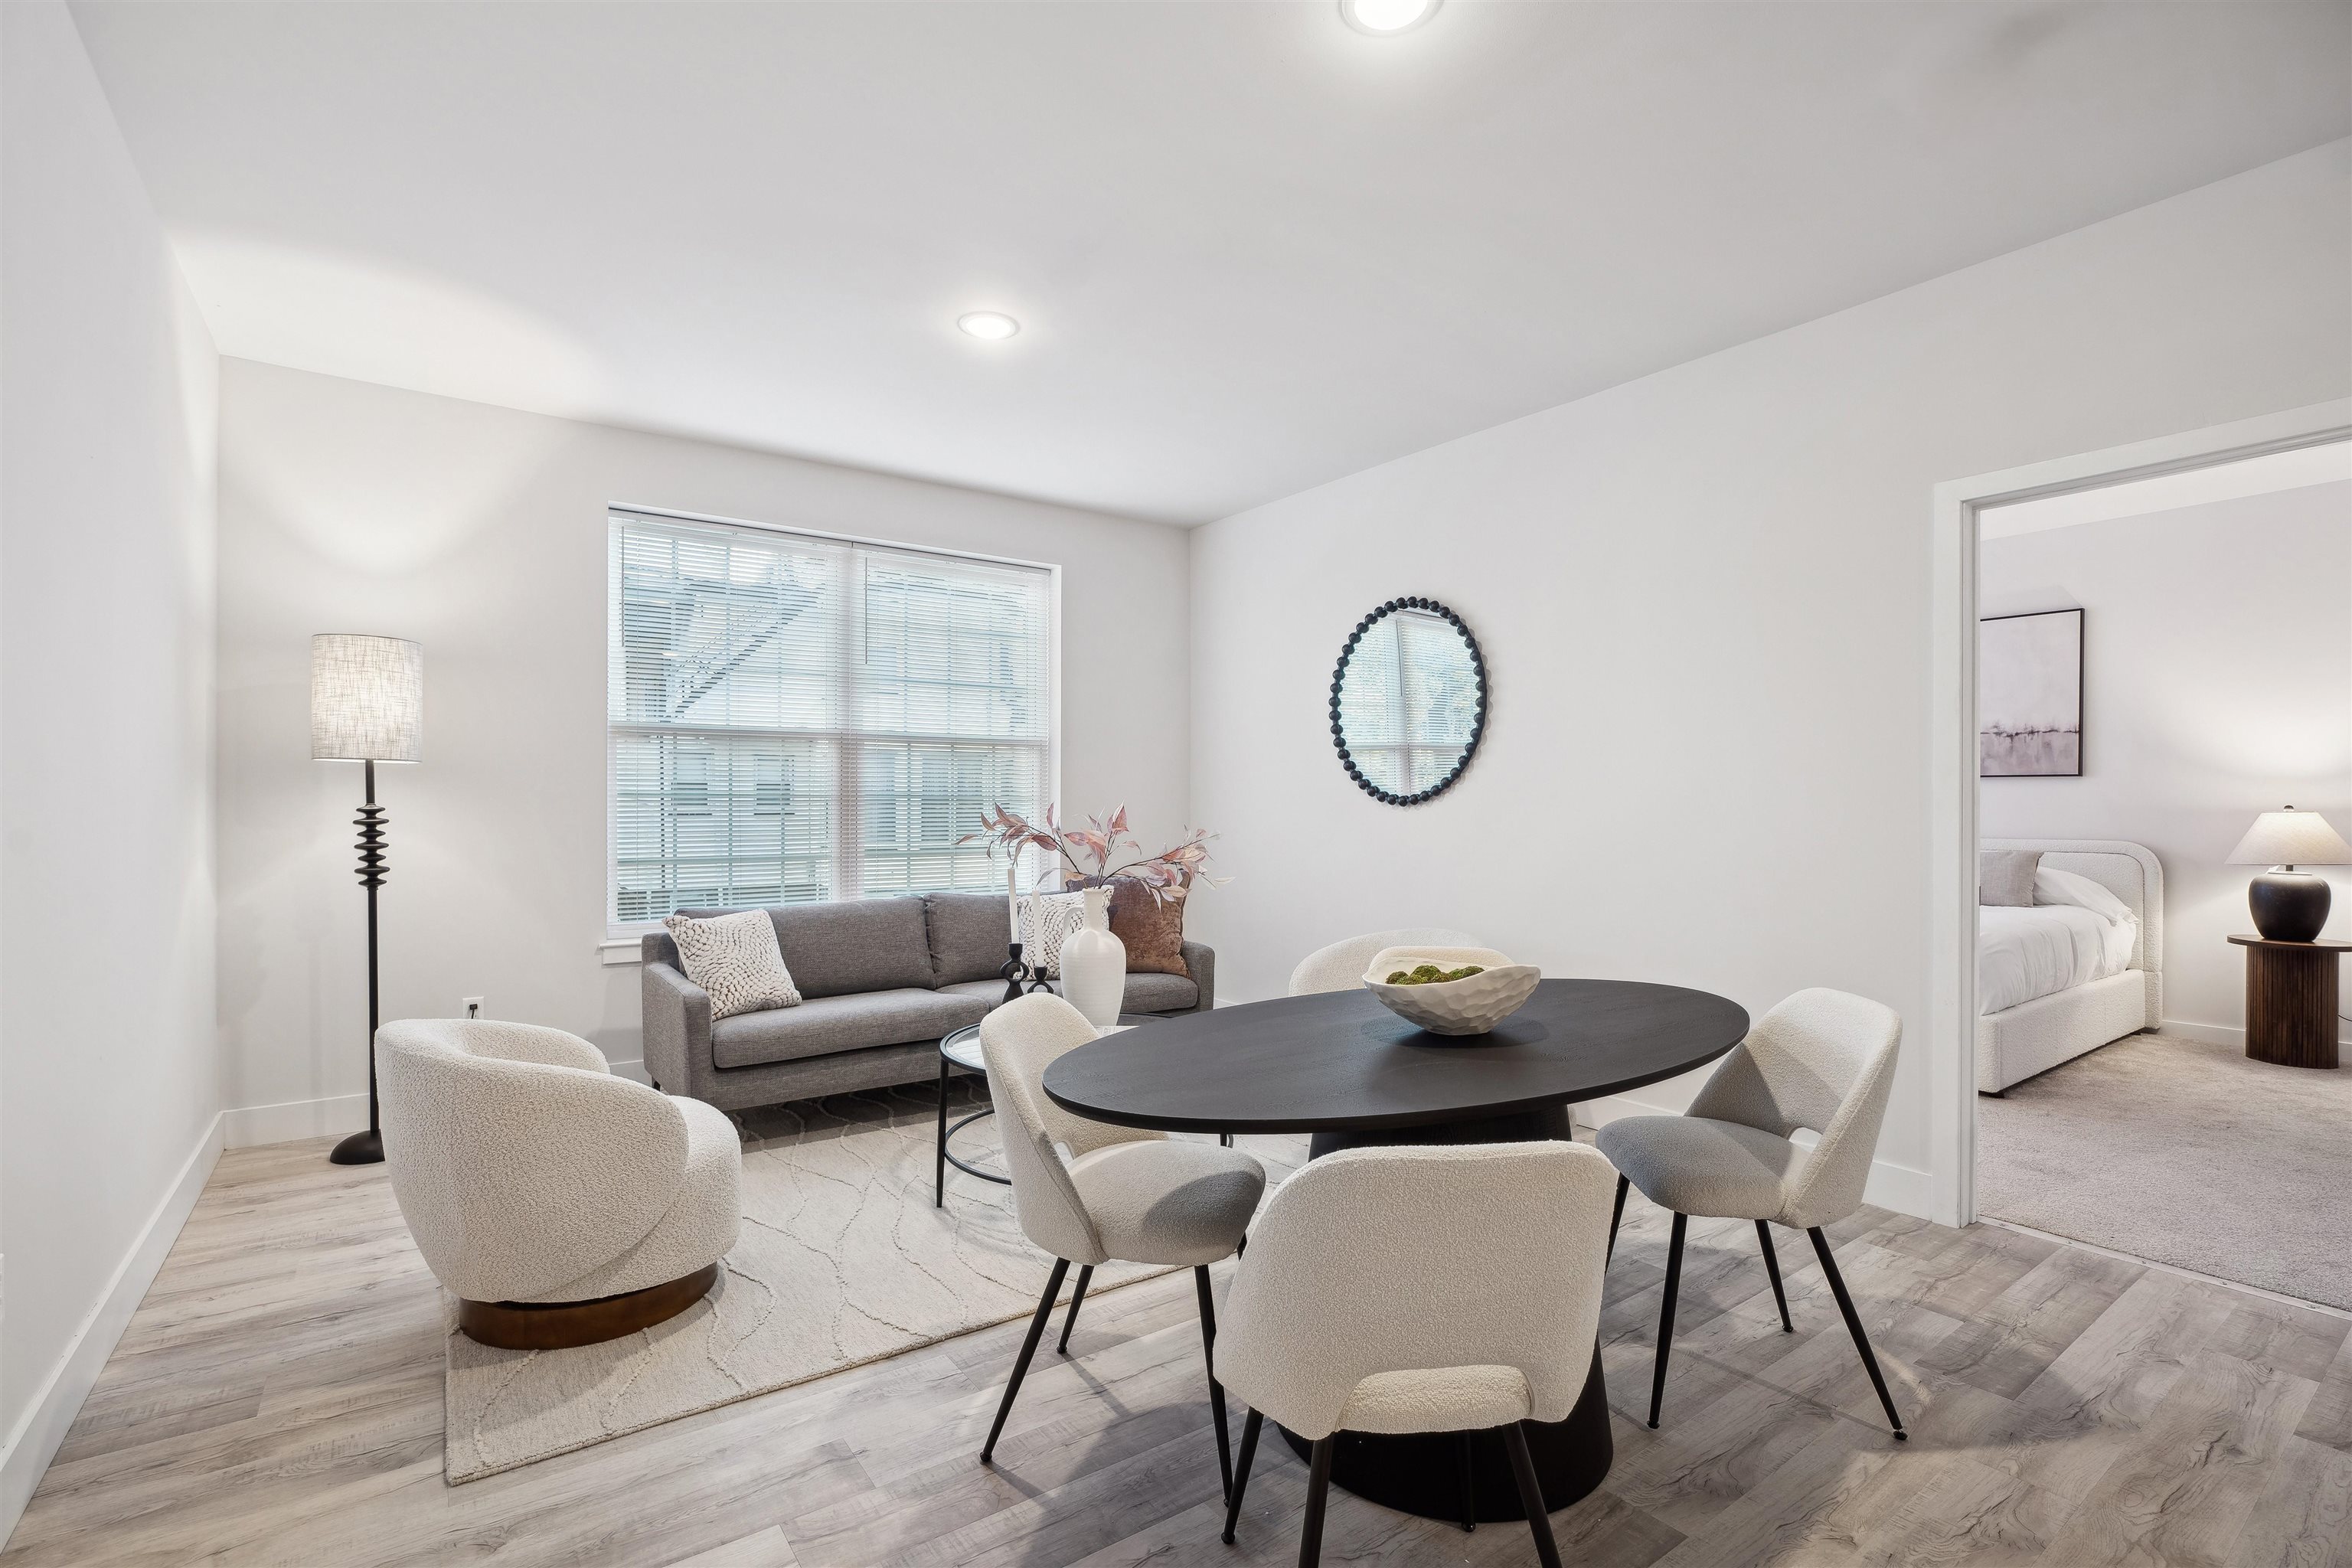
473	1005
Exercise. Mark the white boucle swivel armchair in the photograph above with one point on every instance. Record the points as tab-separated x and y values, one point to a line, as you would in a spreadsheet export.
1089	1191
1341	965
562	1205
1822	1059
1419	1289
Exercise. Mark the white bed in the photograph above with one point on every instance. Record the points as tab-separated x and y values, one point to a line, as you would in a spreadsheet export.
2060	979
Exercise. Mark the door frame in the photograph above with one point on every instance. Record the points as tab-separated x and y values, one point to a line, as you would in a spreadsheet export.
1952	741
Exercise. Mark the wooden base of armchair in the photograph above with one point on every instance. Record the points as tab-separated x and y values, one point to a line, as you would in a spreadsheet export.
560	1325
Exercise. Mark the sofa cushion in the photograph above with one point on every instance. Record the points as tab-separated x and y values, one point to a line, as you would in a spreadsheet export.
821	1025
968	932
1159	994
1145	992
857	944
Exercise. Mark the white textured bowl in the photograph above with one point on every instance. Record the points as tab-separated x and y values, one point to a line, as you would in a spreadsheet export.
1470	1006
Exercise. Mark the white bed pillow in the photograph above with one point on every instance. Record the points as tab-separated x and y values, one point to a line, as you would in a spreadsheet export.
2056	886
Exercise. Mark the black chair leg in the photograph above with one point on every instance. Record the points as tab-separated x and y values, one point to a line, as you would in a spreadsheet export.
1319	1483
1666	1315
1028	1349
1467	1487
1241	1472
1216	1389
1854	1327
1773	1268
1071	1322
1615	1215
1523	1466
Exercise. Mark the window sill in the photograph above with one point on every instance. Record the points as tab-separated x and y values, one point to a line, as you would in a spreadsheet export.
620	950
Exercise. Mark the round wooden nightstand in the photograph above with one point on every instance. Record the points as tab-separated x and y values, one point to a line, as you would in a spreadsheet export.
2291	1000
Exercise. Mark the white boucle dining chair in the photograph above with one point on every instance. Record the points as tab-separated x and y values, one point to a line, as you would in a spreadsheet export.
1340	967
1419	1289
1091	1192
1823	1060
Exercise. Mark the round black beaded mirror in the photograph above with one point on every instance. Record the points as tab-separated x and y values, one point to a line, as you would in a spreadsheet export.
1408	701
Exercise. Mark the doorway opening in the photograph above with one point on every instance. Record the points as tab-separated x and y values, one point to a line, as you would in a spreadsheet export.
2155	662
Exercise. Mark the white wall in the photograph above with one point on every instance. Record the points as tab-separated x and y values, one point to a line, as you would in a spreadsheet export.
481	533
1704	597
2217	679
110	1082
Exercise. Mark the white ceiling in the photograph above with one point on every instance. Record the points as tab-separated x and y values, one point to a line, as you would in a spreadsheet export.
1252	250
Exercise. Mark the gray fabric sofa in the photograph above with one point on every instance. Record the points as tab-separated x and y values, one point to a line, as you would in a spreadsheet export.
882	980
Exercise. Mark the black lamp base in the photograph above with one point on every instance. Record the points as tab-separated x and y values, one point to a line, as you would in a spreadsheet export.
2289	906
360	1148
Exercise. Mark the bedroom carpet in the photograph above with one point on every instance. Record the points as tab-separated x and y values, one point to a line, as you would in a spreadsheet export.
841	1260
2183	1153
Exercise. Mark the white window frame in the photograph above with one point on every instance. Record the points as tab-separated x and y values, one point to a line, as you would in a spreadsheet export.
620	938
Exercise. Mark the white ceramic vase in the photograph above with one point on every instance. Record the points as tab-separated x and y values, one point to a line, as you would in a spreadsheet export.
1094	965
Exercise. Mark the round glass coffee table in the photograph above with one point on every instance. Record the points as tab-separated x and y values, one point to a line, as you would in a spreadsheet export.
961	1049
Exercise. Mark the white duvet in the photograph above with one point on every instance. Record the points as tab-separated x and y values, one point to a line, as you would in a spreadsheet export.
2068	936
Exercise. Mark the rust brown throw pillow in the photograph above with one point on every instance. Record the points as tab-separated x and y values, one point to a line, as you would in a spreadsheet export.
1151	929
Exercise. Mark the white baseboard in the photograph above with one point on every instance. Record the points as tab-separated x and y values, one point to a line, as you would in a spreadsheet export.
2225	1035
251	1125
52	1413
1891	1187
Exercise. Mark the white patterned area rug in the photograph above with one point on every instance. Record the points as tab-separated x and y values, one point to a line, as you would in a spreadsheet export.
841	1260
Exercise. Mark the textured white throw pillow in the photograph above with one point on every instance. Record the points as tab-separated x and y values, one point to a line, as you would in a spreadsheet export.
735	958
1046	921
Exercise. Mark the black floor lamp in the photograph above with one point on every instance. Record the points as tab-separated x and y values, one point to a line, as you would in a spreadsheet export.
367	705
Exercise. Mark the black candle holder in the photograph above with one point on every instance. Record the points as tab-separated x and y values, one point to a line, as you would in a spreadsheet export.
1019	978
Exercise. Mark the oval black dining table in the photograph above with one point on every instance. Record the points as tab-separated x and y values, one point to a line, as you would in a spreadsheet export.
1344	1069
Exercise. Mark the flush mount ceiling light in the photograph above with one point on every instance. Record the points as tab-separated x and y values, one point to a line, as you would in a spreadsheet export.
993	325
1382	17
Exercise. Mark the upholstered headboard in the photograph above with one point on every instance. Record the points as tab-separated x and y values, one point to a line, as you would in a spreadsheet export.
2130	872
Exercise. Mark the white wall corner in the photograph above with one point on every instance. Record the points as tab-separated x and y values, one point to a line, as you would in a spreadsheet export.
50	1414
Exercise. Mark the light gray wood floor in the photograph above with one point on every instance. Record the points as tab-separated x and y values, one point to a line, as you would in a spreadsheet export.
277	1400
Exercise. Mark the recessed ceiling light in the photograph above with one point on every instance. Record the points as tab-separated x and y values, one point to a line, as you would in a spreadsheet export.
990	324
1382	17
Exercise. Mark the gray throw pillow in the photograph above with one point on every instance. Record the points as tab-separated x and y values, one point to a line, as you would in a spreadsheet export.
736	959
2005	876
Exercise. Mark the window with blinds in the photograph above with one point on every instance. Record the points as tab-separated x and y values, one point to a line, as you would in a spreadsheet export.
793	718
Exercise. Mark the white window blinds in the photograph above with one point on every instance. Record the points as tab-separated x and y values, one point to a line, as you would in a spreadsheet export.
792	718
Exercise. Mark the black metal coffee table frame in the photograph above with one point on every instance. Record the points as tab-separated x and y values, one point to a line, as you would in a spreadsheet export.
960	1048
966	1038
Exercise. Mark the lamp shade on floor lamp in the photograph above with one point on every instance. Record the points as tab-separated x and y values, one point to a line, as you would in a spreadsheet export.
2290	905
367	705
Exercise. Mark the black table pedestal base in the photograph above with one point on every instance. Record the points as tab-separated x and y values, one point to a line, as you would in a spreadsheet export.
1524	1126
1422	1474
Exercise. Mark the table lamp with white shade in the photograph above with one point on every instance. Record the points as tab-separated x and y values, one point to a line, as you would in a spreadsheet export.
367	705
2290	905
